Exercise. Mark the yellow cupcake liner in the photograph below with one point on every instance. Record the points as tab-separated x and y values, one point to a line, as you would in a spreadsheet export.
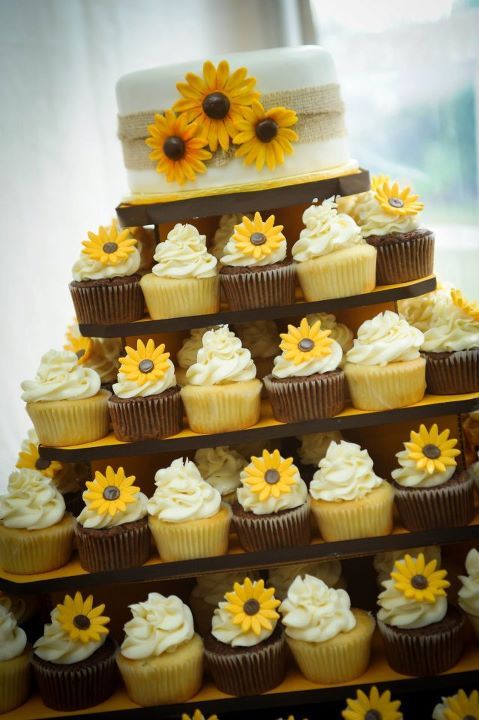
170	678
351	271
25	552
71	422
178	297
15	681
342	658
222	408
384	388
369	516
192	538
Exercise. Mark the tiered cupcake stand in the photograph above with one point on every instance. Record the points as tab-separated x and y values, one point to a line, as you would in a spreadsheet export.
381	432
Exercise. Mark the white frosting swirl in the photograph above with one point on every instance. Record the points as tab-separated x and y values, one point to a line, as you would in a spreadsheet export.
126	388
220	467
188	351
13	640
225	231
409	475
474	471
373	220
60	377
212	587
261	337
384	562
32	501
385	338
159	625
224	629
409	614
469	592
184	255
345	473
284	368
56	646
339	332
86	268
313	612
453	330
421	311
235	258
325	231
329	571
315	445
221	359
104	355
181	494
134	511
250	501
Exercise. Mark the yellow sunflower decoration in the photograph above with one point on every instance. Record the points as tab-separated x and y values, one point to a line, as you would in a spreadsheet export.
177	147
110	245
419	581
30	459
378	180
252	606
303	343
462	707
431	450
469	307
198	715
216	101
373	707
80	620
395	201
258	238
110	493
81	346
265	136
270	475
145	364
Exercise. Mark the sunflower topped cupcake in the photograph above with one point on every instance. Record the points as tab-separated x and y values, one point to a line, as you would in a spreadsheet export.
375	706
100	354
458	707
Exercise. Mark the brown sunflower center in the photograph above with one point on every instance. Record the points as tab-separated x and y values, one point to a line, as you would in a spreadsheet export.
419	582
271	476
216	105
251	607
395	202
431	451
80	353
110	247
111	492
174	147
266	130
306	344
146	366
82	622
258	238
373	715
42	464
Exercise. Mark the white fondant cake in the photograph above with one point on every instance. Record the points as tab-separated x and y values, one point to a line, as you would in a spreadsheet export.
301	79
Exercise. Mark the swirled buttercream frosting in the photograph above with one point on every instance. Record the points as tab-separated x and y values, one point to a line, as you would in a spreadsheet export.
345	473
184	255
385	338
261	337
221	359
13	640
60	377
32	501
374	220
220	467
326	231
469	592
315	445
281	578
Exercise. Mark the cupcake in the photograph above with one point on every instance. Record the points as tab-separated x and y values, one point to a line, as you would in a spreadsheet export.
387	216
99	354
451	347
161	657
330	642
224	231
112	530
209	591
15	657
306	382
245	652
146	402
331	258
349	500
272	510
223	393
186	516
188	352
374	706
65	402
430	492
312	449
255	271
339	331
185	279
421	634
221	468
469	592
421	311
105	287
261	338
384	369
282	577
36	534
458	707
384	562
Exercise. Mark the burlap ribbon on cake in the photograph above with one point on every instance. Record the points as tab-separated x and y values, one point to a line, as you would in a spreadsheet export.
320	111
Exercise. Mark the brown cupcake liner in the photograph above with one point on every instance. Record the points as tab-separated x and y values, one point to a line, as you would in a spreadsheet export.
426	651
306	398
106	301
278	530
147	418
115	548
262	287
247	671
448	505
79	685
401	258
452	373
